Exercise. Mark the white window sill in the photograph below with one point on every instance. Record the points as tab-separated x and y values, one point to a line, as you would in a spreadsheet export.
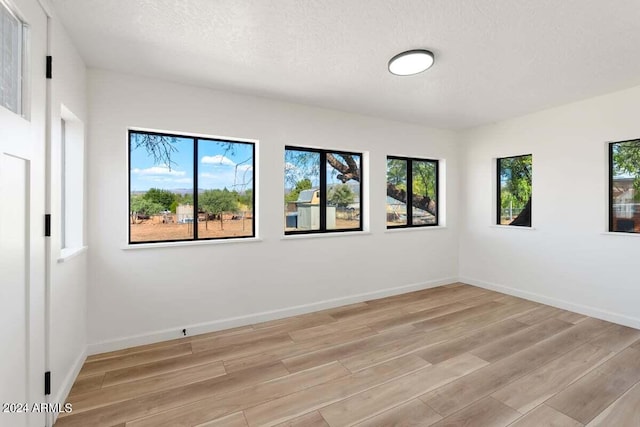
189	243
619	233
67	253
405	229
327	234
513	227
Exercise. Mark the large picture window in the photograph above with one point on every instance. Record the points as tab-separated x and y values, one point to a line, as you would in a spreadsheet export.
189	188
322	191
419	178
514	190
624	186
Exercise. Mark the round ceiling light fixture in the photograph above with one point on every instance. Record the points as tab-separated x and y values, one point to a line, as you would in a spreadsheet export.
411	62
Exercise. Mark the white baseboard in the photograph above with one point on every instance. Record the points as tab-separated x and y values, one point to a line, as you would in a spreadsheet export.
67	382
232	322
621	319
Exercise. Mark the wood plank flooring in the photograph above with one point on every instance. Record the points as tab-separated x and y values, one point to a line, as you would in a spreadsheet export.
454	355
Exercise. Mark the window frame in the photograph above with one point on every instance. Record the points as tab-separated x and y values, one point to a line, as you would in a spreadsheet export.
409	202
499	192
21	90
195	139
610	173
323	191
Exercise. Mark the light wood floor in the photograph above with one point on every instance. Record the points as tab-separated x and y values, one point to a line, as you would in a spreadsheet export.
449	356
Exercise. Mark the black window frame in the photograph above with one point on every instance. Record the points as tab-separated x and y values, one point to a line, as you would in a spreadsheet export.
323	191
195	139
409	202
611	216
499	191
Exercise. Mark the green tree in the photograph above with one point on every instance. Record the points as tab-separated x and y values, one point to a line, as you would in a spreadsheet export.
217	202
162	197
424	179
340	195
246	198
397	173
142	206
423	182
424	185
185	199
303	184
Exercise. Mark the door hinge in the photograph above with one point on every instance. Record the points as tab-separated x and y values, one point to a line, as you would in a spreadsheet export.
47	225
49	66
47	383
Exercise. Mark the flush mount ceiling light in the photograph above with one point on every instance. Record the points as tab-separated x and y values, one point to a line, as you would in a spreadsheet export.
411	62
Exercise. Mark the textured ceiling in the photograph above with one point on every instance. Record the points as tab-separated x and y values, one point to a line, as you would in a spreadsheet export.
495	59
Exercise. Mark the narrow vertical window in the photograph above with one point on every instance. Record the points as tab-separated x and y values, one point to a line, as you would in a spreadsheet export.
11	60
412	192
624	186
161	179
225	189
323	191
63	183
187	188
514	190
72	188
343	191
302	190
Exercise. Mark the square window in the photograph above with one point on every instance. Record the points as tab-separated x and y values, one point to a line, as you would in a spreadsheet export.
323	191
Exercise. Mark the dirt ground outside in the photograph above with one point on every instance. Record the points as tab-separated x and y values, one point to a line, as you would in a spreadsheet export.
154	229
341	224
347	223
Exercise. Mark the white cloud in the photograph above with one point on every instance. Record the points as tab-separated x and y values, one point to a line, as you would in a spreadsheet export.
218	159
168	180
228	174
290	167
158	170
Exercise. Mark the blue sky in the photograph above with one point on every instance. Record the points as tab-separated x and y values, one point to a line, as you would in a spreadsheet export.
218	167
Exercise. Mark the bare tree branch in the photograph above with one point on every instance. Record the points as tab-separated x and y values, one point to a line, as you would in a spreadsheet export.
158	146
421	202
348	171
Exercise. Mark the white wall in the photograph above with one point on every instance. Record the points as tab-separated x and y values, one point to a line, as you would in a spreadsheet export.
145	295
567	260
68	280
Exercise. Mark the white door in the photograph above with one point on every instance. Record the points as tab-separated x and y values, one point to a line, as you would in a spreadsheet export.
23	32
